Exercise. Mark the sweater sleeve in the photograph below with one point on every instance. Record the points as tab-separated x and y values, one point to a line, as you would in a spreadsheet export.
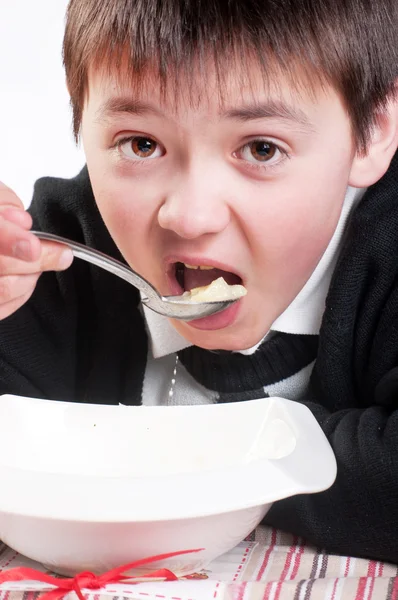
81	336
358	515
354	391
38	352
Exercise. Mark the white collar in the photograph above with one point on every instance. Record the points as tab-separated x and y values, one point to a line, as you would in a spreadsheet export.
303	315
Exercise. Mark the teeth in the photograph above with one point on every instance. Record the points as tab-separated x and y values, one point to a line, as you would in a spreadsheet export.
201	267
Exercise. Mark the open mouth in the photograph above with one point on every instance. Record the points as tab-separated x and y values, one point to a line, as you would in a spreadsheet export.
189	277
204	283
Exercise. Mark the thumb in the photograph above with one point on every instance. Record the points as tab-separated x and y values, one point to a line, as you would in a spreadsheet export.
54	256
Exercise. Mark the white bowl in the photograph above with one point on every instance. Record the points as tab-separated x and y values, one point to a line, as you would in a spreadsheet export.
91	487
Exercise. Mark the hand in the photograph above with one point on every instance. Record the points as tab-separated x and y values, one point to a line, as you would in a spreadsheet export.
23	257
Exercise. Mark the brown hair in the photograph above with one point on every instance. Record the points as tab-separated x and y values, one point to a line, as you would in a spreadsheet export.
351	44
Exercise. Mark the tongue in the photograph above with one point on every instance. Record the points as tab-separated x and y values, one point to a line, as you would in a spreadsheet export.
197	278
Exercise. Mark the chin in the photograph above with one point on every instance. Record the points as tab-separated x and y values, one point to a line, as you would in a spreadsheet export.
231	338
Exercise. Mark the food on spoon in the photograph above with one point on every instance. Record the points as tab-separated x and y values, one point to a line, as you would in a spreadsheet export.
216	291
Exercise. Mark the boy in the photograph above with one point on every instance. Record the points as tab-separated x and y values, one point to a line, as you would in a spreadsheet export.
254	140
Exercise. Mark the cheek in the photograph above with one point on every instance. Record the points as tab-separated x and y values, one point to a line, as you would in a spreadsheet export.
123	197
293	223
127	215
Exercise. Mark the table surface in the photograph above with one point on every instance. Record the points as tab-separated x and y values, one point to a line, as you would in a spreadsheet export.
270	565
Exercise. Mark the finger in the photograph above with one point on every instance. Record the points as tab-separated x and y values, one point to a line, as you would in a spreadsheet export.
9	198
13	287
54	257
11	307
17	242
17	216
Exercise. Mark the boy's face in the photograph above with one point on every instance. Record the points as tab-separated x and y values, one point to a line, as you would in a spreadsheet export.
253	186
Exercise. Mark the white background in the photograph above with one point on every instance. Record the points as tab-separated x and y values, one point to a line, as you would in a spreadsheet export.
35	119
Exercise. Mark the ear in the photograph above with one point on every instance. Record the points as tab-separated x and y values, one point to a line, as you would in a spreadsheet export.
370	167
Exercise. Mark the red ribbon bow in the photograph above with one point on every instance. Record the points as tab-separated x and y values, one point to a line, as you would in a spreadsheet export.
91	581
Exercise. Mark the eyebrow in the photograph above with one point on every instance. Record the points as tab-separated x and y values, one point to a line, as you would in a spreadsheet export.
262	110
118	106
269	110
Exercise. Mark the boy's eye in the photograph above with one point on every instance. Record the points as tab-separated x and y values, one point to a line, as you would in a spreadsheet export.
262	150
259	151
140	147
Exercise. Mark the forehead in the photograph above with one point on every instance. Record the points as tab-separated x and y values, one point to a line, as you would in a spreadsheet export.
205	90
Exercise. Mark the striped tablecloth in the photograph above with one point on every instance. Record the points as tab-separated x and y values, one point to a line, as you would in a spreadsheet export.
269	566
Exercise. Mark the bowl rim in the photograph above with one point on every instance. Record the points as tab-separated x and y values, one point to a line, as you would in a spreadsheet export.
310	468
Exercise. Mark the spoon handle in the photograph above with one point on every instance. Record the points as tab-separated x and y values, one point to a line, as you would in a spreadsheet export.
103	261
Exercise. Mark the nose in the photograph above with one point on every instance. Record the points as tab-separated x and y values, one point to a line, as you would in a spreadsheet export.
196	206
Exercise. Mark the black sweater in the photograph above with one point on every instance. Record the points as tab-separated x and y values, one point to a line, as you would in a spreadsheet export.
82	338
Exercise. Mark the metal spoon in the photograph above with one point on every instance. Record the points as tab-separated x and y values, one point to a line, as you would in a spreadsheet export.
175	307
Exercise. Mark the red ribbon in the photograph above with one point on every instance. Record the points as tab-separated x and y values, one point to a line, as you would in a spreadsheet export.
91	581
